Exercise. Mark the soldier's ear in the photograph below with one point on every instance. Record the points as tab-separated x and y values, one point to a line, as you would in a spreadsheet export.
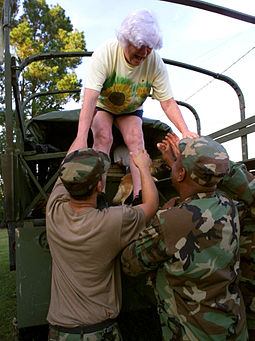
99	186
181	174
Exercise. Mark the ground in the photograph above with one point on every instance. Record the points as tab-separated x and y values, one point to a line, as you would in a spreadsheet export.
7	290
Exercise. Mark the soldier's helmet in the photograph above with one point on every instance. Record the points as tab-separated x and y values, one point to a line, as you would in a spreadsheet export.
81	170
205	160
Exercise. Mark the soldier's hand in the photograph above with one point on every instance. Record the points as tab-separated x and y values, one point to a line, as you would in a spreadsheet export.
169	148
173	140
141	158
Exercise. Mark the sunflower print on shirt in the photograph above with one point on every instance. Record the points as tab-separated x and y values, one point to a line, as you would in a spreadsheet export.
121	95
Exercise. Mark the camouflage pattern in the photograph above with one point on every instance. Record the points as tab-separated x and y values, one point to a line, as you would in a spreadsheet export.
81	170
108	334
240	185
205	160
191	254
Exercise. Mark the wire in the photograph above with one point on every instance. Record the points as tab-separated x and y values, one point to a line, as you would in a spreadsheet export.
204	86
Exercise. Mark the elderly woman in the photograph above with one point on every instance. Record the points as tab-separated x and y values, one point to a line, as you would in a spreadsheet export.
121	76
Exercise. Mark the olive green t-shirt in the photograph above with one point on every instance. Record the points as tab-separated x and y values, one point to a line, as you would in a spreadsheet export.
84	245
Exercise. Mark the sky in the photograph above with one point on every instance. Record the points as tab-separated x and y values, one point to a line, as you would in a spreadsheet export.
207	40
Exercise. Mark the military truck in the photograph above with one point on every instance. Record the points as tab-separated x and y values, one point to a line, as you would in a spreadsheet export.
33	153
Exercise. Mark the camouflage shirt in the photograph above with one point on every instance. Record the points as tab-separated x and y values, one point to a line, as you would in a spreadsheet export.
192	254
240	185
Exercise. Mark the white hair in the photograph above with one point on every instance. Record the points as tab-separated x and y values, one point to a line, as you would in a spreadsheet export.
140	28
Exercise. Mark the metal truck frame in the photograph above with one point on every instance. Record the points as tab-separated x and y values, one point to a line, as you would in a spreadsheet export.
29	170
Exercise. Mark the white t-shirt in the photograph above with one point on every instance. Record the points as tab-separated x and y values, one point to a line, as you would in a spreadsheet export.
123	88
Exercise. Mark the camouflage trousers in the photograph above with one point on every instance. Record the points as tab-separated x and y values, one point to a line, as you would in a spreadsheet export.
247	267
111	333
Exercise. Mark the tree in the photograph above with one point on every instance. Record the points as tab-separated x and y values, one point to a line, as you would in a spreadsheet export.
1	6
43	29
14	10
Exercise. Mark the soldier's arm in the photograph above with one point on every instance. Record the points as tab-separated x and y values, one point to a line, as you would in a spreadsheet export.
145	253
239	183
149	191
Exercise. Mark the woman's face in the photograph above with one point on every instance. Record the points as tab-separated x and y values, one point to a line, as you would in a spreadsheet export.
135	56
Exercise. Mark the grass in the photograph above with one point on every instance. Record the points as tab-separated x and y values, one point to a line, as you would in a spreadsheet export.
7	290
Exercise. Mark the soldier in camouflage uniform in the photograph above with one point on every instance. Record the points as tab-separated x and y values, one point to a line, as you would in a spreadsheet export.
85	243
191	250
240	185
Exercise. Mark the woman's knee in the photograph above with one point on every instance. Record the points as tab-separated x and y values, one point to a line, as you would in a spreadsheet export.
134	138
102	136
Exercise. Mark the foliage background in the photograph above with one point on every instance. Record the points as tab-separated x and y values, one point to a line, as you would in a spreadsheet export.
37	28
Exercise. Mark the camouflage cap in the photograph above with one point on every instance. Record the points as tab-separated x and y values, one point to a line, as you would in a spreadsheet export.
81	170
205	160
